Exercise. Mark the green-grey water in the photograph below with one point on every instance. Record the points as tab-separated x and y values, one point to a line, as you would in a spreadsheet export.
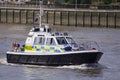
107	69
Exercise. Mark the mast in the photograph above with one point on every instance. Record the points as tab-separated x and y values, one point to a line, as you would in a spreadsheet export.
40	14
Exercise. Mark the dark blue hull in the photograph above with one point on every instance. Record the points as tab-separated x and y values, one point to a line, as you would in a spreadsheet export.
55	60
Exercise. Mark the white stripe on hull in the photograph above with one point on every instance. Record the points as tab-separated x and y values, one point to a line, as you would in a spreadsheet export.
47	53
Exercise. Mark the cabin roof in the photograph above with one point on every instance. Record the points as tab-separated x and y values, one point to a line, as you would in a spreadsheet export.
46	32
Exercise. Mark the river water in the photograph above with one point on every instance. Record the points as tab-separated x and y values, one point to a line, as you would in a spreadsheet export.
107	69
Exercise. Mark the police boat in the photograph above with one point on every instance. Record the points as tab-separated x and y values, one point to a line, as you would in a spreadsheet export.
45	47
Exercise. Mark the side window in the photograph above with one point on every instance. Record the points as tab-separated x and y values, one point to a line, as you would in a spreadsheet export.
50	41
39	41
61	40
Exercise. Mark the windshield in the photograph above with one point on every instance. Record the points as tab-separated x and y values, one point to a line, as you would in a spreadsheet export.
70	40
61	40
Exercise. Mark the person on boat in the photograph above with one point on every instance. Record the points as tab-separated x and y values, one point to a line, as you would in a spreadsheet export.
15	46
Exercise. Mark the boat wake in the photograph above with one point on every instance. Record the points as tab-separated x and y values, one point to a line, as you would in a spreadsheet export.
77	67
3	61
83	66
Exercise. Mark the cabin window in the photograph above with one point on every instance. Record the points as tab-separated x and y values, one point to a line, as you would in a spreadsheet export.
39	41
61	40
50	41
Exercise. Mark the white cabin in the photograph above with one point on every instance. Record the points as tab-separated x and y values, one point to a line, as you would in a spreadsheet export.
44	40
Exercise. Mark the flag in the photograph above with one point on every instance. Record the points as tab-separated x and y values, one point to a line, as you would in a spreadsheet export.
36	19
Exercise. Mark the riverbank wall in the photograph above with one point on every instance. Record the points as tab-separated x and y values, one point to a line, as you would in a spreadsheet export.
62	17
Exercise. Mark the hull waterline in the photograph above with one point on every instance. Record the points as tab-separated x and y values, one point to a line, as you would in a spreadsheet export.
55	60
